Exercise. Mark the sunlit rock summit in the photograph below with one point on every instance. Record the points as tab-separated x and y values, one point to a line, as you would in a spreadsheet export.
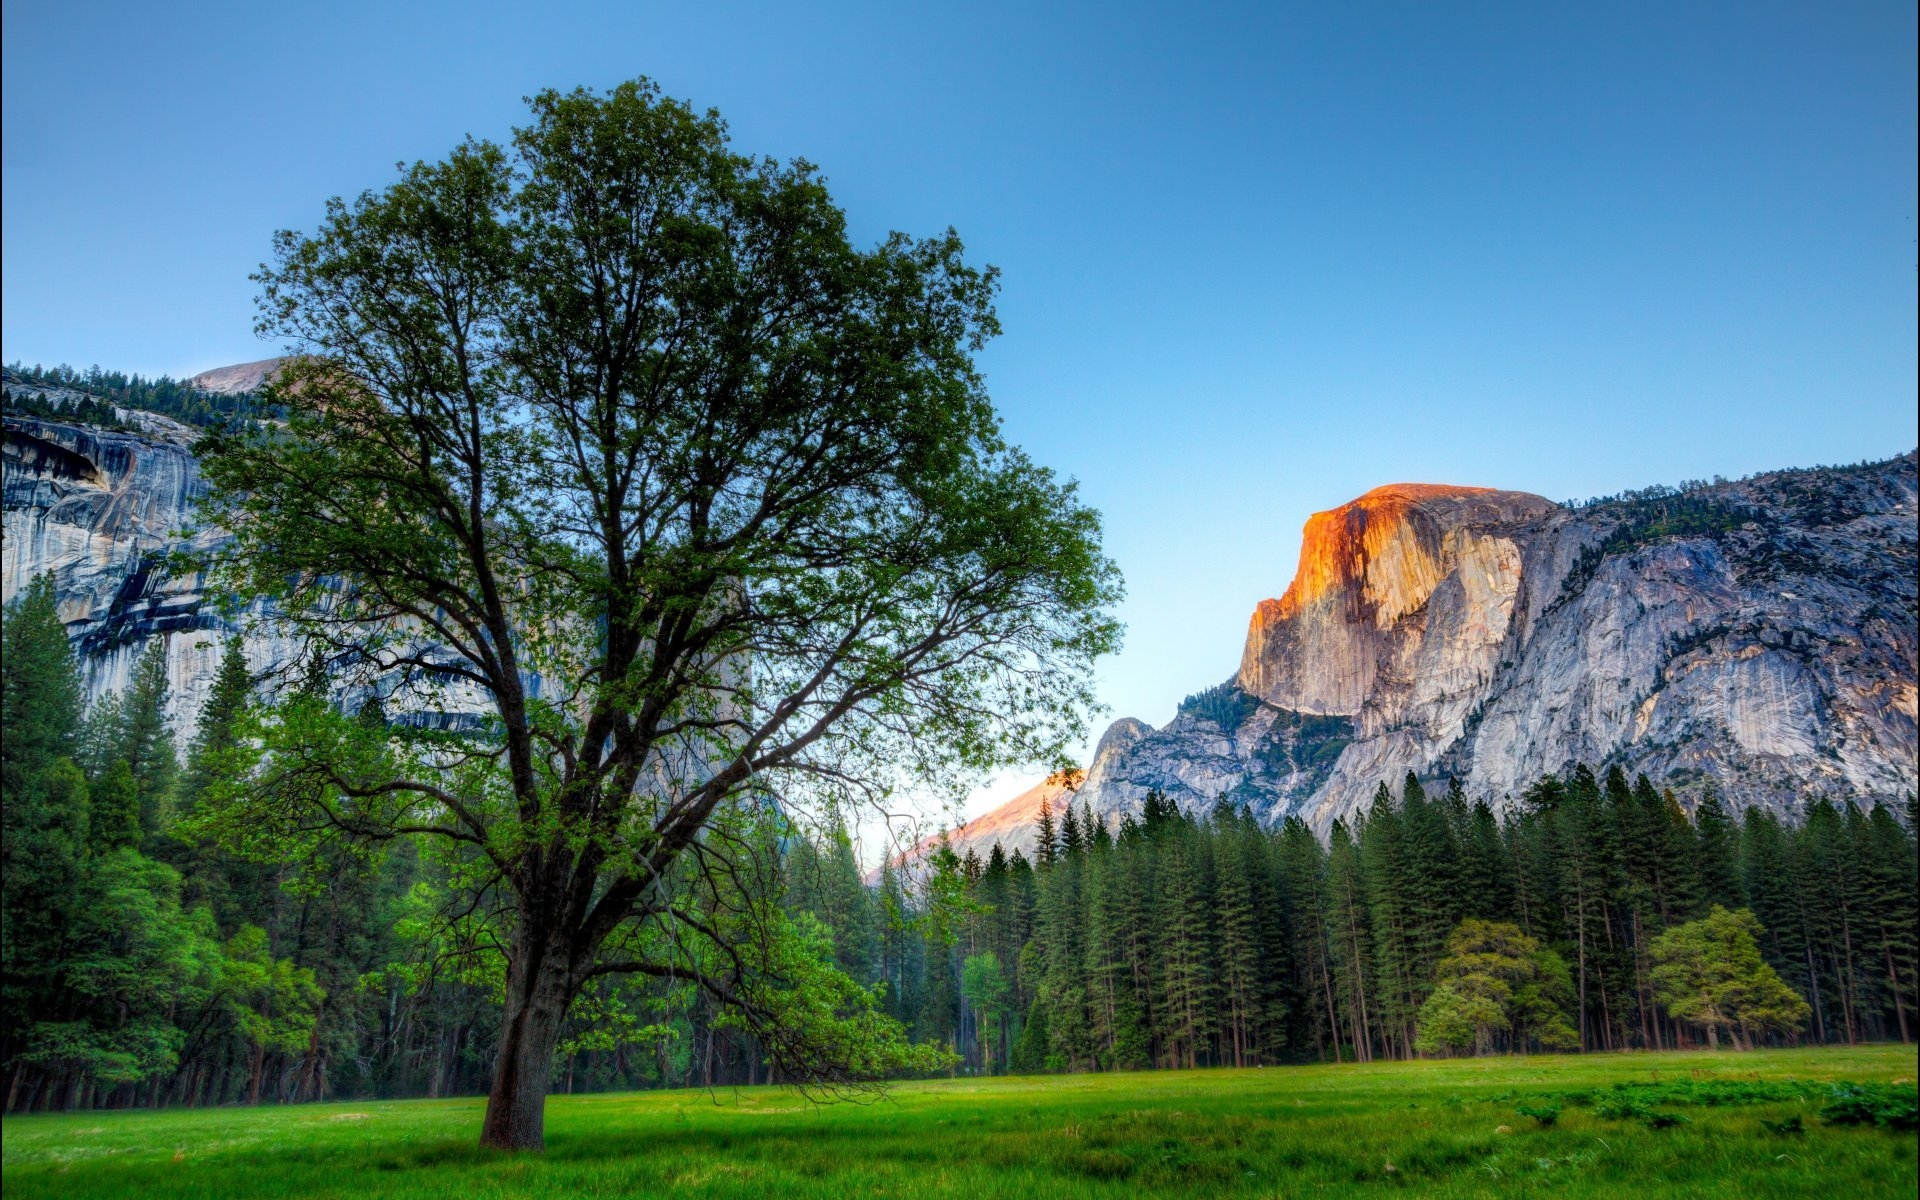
1756	636
1442	556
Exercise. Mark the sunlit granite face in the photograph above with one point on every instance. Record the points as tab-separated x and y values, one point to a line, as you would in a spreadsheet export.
1367	566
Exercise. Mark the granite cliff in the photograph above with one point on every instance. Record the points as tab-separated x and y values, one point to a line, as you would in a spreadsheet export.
100	508
103	505
1757	636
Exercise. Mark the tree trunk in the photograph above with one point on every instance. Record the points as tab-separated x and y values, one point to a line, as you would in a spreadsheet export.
516	1103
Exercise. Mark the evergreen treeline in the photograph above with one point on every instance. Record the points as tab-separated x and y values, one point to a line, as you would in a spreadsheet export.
1593	917
145	965
84	410
103	389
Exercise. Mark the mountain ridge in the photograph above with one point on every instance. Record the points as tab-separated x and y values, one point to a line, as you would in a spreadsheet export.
1756	635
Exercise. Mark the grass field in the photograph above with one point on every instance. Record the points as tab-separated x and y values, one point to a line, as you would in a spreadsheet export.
1682	1125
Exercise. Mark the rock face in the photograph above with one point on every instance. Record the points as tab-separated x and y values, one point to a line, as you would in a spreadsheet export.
102	509
1365	568
238	379
98	509
1757	635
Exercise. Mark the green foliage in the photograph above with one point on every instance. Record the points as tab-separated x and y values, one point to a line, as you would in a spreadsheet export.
1226	705
1547	1115
1889	1106
986	987
83	410
1495	980
1710	972
1649	515
115	807
1033	1050
40	701
271	1001
795	994
727	486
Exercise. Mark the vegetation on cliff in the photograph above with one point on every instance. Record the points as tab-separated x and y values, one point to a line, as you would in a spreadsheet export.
90	396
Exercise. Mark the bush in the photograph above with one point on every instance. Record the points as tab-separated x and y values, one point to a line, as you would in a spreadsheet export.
1872	1104
1621	1107
1546	1114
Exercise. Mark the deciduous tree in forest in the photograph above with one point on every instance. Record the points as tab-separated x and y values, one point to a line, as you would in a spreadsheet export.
1496	980
1710	972
617	432
984	985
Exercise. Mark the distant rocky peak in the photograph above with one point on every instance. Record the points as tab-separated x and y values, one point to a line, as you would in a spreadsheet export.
1364	567
239	379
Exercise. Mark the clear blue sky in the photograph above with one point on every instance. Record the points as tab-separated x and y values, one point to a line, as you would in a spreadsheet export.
1257	258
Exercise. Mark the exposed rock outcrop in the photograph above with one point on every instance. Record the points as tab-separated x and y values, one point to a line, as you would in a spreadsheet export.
1757	635
100	509
1369	573
237	380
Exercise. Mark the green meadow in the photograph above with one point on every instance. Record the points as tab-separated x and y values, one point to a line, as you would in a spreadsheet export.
1705	1125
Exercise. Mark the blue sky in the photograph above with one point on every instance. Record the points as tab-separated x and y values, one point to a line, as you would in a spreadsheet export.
1257	259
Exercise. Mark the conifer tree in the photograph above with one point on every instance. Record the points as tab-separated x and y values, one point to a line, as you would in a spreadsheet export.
41	708
1716	851
1887	853
1303	874
1246	963
115	808
219	720
1045	842
44	818
1396	992
1186	988
146	737
1431	884
1350	940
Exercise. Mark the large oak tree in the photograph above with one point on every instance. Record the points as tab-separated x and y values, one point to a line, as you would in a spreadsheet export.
613	437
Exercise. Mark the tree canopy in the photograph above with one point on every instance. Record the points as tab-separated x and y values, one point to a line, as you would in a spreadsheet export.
613	436
1710	972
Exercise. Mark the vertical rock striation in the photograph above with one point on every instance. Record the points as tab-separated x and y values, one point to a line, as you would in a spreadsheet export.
100	509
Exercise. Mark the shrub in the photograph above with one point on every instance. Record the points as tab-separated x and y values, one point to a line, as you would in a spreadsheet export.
1546	1114
1872	1104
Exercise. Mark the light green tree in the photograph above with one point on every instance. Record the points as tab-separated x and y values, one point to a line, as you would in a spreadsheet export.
985	986
272	1002
1710	972
1496	980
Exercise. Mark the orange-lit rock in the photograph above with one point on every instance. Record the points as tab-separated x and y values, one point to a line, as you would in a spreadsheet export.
1367	571
1492	637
